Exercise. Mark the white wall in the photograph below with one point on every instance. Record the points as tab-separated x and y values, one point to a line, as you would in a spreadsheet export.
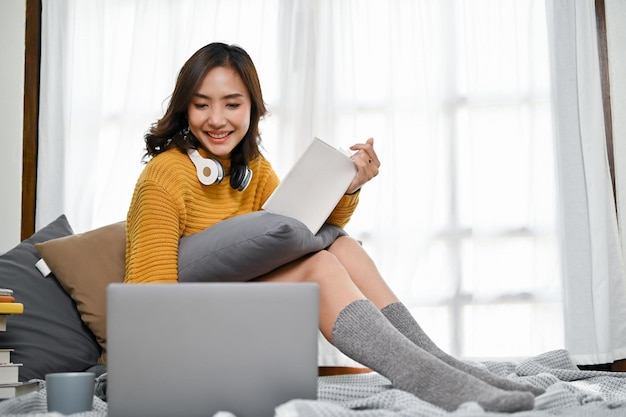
12	30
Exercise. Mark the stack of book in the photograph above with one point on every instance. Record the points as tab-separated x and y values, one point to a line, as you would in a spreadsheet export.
10	386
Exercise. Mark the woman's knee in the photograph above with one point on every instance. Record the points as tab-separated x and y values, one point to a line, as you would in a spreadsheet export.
316	267
323	262
346	241
346	247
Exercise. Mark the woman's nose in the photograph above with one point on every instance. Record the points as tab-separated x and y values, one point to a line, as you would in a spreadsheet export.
216	117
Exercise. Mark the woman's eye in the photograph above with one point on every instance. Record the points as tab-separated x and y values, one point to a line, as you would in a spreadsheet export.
233	105
200	105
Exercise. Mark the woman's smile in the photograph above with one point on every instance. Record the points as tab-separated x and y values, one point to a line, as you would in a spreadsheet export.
218	136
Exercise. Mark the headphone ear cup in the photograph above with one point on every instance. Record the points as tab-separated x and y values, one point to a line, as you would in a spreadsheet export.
209	171
240	177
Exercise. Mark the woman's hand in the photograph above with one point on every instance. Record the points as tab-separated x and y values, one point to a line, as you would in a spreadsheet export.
367	164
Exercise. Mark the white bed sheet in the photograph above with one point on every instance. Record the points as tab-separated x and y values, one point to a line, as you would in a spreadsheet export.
569	392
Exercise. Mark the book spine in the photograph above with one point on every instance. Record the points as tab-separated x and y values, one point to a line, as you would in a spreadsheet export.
11	308
9	374
5	357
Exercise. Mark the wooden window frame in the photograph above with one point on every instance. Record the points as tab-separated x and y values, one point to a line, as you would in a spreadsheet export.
30	138
603	56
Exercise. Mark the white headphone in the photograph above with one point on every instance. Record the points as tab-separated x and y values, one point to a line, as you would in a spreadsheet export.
210	171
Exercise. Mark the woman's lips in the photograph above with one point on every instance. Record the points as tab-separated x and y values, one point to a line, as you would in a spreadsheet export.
218	137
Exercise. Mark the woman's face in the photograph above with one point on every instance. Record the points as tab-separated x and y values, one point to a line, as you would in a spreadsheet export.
219	112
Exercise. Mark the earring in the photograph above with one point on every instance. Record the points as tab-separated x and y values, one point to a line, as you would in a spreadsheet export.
159	148
185	133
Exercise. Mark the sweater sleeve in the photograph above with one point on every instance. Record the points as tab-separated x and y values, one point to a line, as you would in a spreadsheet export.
343	211
153	234
270	183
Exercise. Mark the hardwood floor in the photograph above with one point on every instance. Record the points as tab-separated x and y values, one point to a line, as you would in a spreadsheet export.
619	366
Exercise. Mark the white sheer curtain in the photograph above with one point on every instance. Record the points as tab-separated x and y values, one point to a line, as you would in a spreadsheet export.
616	34
107	70
593	260
461	220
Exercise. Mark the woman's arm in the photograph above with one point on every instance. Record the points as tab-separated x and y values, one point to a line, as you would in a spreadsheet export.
367	164
152	236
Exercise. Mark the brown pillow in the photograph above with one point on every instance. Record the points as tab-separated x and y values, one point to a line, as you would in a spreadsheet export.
85	264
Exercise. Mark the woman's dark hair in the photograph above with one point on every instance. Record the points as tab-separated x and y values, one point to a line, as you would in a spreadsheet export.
167	131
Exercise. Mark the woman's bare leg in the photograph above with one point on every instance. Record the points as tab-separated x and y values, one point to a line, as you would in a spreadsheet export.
337	289
356	326
365	275
344	272
362	271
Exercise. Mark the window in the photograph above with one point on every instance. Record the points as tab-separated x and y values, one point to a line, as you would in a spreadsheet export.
461	220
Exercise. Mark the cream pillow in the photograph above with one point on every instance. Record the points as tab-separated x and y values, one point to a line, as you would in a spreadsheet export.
85	264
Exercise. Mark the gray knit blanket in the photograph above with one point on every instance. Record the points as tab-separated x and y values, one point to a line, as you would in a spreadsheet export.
569	392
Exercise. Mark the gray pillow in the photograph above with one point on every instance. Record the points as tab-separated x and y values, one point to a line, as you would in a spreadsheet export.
50	335
247	246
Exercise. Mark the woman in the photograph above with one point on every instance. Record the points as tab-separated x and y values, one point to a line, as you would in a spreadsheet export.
215	109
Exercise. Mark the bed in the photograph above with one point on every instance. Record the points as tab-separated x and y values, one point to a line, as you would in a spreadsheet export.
63	328
569	392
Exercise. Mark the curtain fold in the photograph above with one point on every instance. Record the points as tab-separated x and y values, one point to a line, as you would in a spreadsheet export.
616	39
593	267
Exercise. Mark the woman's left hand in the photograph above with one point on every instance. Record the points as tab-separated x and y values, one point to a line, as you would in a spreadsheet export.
367	164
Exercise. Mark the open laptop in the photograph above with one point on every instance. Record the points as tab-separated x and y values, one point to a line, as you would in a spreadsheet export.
194	349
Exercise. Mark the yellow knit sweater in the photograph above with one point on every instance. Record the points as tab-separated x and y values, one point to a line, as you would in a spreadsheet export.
169	202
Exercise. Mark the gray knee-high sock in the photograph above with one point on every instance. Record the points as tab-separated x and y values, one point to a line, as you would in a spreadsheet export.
402	319
364	334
